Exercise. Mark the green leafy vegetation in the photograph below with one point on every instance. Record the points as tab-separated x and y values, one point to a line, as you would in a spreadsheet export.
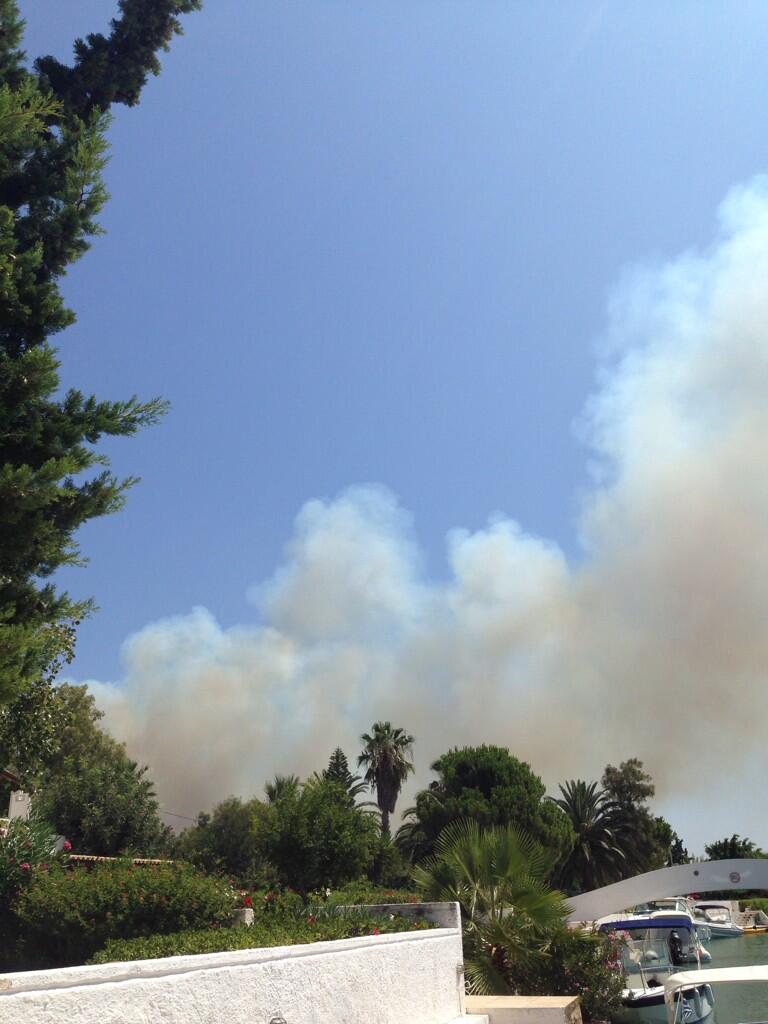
603	844
89	789
279	932
732	848
314	837
490	786
515	936
62	916
587	965
498	876
226	841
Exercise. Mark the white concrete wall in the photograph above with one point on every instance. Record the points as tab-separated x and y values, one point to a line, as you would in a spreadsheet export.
405	978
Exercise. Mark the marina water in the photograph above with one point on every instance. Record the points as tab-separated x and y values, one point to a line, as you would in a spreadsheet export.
740	1003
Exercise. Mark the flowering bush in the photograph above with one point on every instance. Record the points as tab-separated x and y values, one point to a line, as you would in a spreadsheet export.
25	846
64	916
277	903
27	849
577	963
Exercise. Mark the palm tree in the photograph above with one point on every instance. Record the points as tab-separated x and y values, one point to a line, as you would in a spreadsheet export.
387	759
281	787
602	852
498	877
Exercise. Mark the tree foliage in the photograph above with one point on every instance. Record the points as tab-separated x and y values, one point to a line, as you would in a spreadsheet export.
388	761
732	848
281	786
490	786
84	782
106	807
53	122
47	724
498	876
315	838
338	771
603	843
654	842
227	841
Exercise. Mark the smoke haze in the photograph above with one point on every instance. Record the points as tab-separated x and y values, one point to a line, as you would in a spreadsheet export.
653	643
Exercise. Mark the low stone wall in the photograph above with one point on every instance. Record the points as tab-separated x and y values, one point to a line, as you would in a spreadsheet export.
404	978
526	1009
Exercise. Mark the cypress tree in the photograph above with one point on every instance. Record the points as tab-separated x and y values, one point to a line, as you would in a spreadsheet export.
53	122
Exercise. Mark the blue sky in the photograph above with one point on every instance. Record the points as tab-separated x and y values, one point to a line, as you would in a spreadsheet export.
362	243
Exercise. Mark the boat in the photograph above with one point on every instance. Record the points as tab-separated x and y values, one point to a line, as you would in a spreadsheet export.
663	908
677	987
717	918
655	947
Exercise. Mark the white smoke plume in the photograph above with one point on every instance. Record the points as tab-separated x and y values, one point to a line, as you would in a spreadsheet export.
654	643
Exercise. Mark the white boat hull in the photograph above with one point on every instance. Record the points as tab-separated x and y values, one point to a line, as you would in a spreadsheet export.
721	931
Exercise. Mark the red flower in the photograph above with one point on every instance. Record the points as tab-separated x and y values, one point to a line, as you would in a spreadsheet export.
247	901
311	918
375	931
24	866
67	846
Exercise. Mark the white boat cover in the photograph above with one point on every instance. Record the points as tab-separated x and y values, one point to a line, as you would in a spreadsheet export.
711	976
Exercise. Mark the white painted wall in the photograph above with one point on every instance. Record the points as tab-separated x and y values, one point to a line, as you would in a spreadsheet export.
405	978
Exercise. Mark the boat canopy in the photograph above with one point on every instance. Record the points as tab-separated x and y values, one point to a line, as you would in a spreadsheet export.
709	976
621	924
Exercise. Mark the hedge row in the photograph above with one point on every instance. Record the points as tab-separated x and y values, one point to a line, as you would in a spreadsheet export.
61	917
280	932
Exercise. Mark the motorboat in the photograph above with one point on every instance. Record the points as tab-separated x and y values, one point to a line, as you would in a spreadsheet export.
678	986
685	905
718	919
663	908
654	947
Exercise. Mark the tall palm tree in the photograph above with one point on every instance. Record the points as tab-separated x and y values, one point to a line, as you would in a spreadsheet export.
602	852
498	877
387	757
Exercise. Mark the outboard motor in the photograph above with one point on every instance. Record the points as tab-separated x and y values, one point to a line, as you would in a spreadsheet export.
676	954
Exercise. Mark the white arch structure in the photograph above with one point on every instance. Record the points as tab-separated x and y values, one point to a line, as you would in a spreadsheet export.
707	876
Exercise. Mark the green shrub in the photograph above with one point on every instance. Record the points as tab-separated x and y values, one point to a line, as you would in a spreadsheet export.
264	933
65	916
27	848
315	837
755	903
389	868
24	847
360	893
280	903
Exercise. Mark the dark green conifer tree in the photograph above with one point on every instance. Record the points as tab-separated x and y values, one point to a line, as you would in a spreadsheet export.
338	771
53	120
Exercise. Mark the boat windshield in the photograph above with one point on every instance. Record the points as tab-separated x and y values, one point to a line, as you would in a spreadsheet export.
717	915
650	954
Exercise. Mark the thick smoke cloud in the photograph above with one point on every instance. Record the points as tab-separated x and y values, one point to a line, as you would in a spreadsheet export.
653	643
